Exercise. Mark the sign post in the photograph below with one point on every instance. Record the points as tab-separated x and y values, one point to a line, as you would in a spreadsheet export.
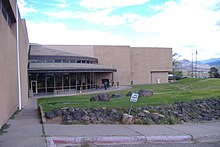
134	98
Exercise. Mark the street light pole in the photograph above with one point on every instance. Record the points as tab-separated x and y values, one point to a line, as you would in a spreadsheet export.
192	63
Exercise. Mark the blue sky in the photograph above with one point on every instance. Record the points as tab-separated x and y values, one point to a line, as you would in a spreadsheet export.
184	25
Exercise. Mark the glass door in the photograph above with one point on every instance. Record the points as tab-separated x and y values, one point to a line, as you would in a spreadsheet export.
34	86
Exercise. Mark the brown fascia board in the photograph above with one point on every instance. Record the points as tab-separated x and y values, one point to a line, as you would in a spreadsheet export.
71	70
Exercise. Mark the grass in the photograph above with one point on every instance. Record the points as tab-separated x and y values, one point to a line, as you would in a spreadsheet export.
4	128
183	90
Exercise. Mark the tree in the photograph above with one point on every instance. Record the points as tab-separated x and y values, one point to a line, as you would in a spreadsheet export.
176	64
213	72
175	57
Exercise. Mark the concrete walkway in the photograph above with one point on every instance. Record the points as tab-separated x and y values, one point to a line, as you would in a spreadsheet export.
27	131
101	90
108	134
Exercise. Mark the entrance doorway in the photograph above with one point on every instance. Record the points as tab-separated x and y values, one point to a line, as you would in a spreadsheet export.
34	86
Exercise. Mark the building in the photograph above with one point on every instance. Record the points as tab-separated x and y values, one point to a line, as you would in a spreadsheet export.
73	68
67	68
13	58
56	71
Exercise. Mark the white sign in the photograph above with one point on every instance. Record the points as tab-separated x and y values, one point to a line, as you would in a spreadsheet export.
134	97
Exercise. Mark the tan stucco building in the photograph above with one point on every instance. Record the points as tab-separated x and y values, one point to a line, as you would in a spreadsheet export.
9	41
54	68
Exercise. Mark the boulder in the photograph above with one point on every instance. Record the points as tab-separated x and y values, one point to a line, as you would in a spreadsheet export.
144	93
58	112
67	118
129	94
50	115
101	97
85	118
127	119
117	95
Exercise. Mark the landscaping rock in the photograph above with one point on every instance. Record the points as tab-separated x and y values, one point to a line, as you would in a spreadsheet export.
129	94
180	112
50	115
117	96
101	97
127	119
144	93
58	112
67	118
86	118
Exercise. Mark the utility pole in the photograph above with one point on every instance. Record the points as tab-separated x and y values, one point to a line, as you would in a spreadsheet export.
196	71
192	63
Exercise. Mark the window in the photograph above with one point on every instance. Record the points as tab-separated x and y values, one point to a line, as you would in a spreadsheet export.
72	61
0	4
57	61
49	61
5	14
33	61
65	61
40	61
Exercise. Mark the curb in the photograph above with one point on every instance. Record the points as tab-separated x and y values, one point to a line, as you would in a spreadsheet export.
43	119
52	141
205	137
169	138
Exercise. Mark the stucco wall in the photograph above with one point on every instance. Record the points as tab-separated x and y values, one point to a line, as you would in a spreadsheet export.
23	42
8	69
159	77
117	57
147	60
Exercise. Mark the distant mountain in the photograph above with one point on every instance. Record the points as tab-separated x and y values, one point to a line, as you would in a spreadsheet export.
211	62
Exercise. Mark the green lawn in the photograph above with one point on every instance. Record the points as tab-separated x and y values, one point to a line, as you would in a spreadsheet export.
183	90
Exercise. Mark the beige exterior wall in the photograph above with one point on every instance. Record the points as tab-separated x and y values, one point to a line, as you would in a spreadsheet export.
8	69
148	63
117	57
159	77
134	64
101	76
24	46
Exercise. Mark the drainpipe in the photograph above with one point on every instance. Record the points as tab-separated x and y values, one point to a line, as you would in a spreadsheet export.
18	59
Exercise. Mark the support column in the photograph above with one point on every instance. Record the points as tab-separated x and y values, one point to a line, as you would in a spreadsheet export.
45	83
54	84
69	82
62	81
76	81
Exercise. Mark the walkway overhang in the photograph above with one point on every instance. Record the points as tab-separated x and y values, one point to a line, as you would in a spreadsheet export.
68	67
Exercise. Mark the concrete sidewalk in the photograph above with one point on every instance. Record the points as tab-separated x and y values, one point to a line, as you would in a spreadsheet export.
25	129
101	90
99	134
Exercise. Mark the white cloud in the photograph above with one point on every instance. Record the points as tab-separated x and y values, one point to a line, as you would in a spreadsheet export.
58	33
100	17
62	4
100	4
24	8
60	14
188	23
